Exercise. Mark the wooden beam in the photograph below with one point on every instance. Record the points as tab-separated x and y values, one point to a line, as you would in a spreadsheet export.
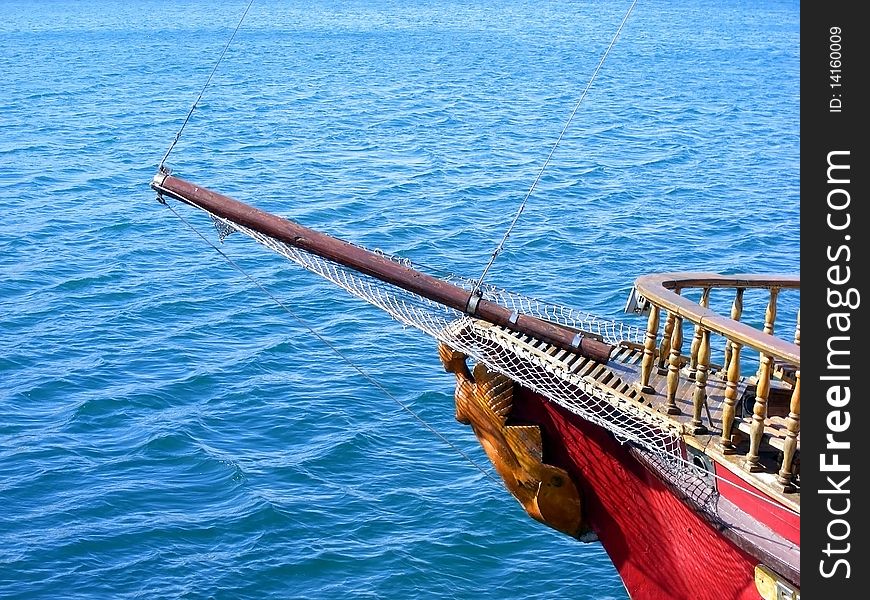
379	267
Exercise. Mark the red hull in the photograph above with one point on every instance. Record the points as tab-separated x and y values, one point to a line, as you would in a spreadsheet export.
663	549
786	524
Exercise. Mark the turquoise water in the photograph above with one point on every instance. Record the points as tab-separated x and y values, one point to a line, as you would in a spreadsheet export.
168	431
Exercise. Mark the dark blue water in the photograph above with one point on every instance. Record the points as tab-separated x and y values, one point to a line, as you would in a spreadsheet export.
168	431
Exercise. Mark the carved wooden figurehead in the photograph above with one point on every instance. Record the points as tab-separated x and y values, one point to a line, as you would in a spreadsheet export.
484	400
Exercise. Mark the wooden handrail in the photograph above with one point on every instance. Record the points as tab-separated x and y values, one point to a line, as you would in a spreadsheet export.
661	290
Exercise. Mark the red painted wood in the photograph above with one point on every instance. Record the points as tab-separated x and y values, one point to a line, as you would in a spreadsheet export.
785	523
662	549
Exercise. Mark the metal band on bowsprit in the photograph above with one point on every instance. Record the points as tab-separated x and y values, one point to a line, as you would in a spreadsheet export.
471	305
575	343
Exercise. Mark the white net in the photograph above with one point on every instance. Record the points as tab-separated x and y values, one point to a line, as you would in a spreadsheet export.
564	378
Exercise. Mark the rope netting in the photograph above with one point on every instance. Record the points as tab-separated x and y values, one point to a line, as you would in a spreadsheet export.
509	353
504	351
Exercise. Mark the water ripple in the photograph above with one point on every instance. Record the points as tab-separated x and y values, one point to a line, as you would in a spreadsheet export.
168	431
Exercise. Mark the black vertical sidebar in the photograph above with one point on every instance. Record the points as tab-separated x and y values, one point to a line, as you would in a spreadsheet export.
835	438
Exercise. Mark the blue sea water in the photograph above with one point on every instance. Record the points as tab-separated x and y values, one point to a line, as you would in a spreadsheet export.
167	430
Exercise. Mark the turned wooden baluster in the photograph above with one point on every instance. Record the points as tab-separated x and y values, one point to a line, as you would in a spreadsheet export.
692	367
770	315
770	318
759	410
759	413
649	350
728	407
674	367
665	347
736	313
700	397
793	427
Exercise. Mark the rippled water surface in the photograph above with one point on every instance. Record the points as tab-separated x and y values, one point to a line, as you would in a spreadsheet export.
167	430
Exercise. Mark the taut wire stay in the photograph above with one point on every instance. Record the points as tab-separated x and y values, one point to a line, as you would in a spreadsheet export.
161	166
223	232
476	291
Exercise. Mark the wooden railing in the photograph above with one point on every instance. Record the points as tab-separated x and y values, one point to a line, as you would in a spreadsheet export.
665	291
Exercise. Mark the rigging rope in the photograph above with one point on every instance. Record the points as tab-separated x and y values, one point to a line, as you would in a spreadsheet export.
474	284
365	375
160	167
647	445
522	206
334	348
